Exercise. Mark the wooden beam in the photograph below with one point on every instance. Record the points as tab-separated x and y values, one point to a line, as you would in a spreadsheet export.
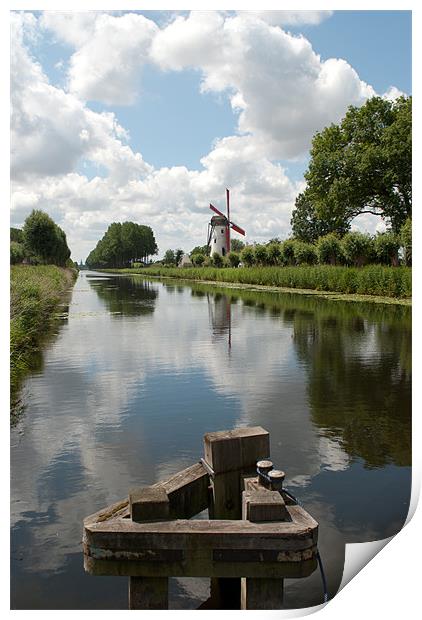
262	505
148	592
213	548
236	449
187	492
229	454
148	504
203	564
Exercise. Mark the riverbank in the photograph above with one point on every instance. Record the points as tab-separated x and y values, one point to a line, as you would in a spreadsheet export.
374	283
35	292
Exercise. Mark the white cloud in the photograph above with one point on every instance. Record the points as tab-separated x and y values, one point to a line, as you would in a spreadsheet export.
52	130
289	18
110	53
393	93
277	85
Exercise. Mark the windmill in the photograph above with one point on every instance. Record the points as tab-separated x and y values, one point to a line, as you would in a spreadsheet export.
219	230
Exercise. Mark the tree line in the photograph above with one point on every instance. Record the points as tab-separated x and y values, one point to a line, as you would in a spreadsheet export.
354	249
363	165
40	241
122	245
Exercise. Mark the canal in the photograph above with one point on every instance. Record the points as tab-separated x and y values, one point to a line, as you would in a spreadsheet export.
135	374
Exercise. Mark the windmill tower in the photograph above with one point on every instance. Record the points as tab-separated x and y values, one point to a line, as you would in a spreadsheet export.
219	230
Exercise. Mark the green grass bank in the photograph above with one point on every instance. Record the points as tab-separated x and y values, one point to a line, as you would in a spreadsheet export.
35	292
373	280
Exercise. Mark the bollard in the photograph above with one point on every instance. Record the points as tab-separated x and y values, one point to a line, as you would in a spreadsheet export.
264	467
276	478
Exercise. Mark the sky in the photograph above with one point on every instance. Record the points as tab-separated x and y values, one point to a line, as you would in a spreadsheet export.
148	116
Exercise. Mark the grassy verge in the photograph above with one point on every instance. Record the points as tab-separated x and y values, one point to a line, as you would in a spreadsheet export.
34	294
373	280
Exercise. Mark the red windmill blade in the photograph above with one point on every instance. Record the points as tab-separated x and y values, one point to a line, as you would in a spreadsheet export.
216	210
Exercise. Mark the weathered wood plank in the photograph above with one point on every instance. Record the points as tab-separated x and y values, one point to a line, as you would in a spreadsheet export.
148	592
260	505
301	525
236	449
148	504
262	593
187	492
204	565
264	505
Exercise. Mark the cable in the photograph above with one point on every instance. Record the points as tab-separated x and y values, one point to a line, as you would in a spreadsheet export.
318	555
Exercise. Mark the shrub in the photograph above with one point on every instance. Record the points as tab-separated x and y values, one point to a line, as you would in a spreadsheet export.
247	256
329	250
288	252
274	253
17	253
406	240
261	255
217	260
386	248
304	253
234	259
197	259
358	248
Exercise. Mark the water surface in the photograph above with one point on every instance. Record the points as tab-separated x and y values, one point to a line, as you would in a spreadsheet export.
139	370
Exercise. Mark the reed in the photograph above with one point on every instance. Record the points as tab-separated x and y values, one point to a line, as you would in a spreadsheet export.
379	280
35	292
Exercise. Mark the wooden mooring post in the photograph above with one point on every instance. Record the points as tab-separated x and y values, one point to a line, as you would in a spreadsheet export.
230	455
255	537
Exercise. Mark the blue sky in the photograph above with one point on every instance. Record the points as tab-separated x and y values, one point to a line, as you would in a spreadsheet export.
133	103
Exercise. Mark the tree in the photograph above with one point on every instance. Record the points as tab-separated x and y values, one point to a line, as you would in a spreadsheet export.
406	240
308	226
198	259
247	256
17	252
201	249
236	245
358	248
329	249
44	241
274	252
169	258
234	259
178	255
123	244
288	252
362	165
261	255
16	234
217	260
386	247
305	253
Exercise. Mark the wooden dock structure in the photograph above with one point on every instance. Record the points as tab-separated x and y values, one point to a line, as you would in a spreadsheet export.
255	537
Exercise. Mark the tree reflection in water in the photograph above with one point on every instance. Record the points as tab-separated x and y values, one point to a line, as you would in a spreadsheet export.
131	296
